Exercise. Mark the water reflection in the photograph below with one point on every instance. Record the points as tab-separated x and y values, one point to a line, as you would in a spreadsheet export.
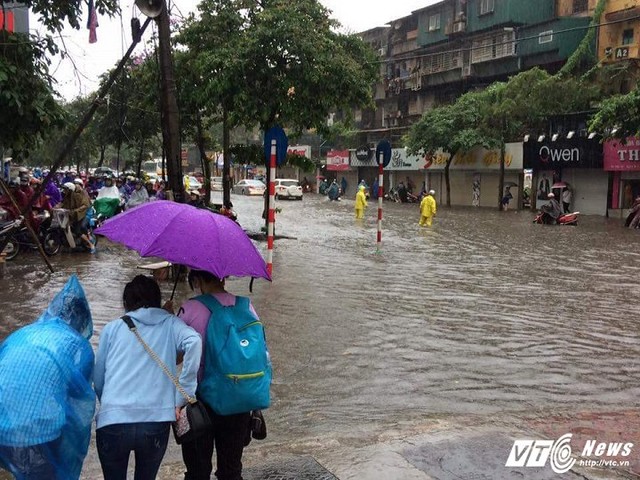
485	313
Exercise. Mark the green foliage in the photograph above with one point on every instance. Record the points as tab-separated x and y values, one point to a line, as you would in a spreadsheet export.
620	113
268	63
584	53
27	105
28	110
300	161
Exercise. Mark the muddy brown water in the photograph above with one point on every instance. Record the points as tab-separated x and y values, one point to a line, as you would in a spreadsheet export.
483	314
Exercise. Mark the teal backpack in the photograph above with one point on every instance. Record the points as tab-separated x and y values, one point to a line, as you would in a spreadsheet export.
237	368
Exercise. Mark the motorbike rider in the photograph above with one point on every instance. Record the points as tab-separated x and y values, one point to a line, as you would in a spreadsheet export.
74	200
19	196
109	190
553	210
402	192
334	191
138	196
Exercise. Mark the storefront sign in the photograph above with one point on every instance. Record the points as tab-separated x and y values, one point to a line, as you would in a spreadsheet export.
300	150
478	159
364	154
568	153
622	158
338	160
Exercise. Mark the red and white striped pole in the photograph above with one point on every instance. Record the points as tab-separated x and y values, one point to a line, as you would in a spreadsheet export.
272	207
380	197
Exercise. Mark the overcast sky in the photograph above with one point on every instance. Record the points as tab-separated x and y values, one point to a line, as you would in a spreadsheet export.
114	37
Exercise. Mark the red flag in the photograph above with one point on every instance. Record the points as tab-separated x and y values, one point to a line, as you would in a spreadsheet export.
92	23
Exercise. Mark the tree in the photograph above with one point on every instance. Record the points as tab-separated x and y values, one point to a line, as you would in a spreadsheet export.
618	116
270	63
27	105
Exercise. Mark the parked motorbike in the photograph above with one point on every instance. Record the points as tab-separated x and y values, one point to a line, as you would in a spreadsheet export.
60	234
18	237
565	219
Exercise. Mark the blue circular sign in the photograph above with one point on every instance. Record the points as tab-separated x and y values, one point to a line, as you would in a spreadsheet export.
282	144
383	149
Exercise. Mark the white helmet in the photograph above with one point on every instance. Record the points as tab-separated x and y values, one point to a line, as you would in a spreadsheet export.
69	185
78	181
432	192
551	195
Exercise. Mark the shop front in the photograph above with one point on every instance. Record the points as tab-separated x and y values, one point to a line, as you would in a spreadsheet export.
575	164
622	161
475	176
365	167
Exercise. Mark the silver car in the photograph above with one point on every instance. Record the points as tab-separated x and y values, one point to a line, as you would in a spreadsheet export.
288	188
249	187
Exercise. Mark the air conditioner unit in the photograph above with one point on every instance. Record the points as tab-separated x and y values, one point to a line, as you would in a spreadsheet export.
466	71
459	27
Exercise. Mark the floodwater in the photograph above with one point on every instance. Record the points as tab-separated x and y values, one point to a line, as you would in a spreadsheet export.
485	314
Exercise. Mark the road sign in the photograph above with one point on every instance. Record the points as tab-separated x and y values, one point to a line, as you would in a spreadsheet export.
282	143
384	149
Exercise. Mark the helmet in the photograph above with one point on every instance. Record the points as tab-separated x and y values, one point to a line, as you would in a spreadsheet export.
78	181
14	182
24	180
69	185
432	192
551	195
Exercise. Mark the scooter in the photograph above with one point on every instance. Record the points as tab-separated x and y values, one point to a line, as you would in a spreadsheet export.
60	234
18	237
565	219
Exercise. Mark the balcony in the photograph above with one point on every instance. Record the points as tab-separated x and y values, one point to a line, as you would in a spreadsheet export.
622	52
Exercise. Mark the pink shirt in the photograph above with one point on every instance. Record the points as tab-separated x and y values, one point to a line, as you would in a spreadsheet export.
196	315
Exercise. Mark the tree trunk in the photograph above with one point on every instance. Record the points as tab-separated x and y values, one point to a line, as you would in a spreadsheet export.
226	156
501	181
206	171
447	179
140	156
170	127
103	149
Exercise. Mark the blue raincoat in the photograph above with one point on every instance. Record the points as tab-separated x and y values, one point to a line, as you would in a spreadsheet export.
46	400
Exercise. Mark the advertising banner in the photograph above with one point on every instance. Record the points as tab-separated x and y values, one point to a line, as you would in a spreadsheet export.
566	153
301	150
338	160
477	159
619	157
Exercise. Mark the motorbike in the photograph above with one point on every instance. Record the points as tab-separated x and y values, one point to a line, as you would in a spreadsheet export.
633	219
60	234
18	237
564	219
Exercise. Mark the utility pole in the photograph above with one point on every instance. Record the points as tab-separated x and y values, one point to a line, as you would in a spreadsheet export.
169	105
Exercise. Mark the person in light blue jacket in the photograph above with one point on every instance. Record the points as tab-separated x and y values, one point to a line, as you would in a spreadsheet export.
138	401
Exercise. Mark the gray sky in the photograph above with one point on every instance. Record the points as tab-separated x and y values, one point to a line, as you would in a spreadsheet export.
79	74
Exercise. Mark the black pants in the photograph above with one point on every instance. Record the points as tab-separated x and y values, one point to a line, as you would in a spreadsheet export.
566	206
228	434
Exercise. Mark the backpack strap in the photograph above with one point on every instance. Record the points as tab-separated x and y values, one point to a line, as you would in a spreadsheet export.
214	305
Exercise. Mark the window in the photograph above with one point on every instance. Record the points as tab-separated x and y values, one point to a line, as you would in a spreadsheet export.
580	6
434	22
627	37
496	46
487	6
545	37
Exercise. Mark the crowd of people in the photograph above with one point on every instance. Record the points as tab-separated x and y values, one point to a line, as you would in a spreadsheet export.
50	380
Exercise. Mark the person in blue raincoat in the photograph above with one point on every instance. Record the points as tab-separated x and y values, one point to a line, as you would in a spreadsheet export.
46	398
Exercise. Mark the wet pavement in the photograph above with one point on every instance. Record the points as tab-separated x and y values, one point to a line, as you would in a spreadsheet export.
483	327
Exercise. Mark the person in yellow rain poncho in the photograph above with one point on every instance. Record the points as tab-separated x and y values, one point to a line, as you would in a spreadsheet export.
361	202
427	209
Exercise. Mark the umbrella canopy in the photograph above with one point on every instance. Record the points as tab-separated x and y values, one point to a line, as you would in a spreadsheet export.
185	235
559	185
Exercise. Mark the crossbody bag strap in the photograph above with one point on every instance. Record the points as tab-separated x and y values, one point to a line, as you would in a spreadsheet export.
127	319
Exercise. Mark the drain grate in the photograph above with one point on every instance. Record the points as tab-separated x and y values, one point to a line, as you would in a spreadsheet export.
296	468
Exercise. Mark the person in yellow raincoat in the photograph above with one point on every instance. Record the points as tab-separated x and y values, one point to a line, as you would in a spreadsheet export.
361	202
427	209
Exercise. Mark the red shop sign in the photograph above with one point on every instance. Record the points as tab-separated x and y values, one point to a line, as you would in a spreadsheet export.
619	157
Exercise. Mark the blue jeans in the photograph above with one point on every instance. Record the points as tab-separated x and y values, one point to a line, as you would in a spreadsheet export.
148	441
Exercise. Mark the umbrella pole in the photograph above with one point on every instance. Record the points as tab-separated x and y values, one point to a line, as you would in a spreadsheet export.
175	284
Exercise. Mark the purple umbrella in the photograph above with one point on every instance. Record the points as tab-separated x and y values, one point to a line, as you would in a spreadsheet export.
186	235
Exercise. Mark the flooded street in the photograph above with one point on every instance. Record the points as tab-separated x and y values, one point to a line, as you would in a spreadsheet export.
484	316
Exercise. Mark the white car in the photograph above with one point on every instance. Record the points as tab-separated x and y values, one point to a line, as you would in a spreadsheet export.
249	187
288	188
216	184
194	184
